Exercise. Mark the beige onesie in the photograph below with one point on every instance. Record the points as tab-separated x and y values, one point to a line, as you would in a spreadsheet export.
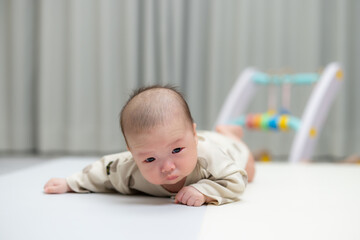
219	172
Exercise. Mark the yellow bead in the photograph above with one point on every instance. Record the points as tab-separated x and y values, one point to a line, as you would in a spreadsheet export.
265	158
283	122
339	74
313	132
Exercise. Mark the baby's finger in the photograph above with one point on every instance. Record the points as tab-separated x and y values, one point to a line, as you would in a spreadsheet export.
174	198
52	189
186	197
49	183
48	189
198	203
191	201
179	196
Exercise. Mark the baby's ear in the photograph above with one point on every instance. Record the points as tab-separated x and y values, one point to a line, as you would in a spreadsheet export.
194	128
195	134
127	147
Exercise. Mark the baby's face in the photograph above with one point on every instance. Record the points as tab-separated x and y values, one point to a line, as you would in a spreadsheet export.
165	154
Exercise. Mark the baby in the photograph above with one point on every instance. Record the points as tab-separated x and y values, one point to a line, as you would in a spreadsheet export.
167	156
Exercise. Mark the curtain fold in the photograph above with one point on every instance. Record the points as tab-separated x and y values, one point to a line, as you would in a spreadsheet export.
17	71
67	67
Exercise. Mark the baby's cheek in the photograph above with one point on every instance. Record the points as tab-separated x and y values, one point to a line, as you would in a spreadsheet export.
151	176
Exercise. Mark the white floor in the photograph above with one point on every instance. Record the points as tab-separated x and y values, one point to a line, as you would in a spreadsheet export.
27	213
313	201
14	163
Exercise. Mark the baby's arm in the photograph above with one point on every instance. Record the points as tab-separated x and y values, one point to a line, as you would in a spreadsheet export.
57	185
223	189
95	177
90	179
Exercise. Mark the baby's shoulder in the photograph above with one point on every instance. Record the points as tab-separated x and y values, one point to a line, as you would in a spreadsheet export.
208	147
218	151
211	138
210	143
122	164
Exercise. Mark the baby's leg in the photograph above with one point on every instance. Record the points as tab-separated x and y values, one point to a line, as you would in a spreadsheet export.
235	132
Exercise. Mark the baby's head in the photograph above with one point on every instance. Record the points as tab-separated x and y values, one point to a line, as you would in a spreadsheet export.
160	133
153	106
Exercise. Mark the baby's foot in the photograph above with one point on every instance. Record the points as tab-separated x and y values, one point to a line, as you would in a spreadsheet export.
232	131
353	159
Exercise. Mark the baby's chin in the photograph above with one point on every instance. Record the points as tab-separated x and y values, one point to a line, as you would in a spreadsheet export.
155	182
165	182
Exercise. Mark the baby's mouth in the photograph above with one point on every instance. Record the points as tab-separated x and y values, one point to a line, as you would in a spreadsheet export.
171	177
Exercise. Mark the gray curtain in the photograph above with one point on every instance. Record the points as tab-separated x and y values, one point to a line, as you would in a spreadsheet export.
67	67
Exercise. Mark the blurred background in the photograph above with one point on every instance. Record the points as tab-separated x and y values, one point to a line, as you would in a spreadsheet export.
68	66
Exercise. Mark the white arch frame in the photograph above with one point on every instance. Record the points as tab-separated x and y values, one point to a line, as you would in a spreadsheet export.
315	113
239	97
313	117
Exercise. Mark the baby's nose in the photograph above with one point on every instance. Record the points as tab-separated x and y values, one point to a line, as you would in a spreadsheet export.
168	166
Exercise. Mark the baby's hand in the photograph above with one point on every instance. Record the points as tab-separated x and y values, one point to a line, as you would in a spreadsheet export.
190	196
57	185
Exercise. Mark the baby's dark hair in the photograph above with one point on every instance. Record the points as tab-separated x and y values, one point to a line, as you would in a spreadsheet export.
151	106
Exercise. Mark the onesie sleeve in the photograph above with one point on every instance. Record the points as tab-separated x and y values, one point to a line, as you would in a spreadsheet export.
96	176
224	180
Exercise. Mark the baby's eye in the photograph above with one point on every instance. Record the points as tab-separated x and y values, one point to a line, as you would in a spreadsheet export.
177	150
150	159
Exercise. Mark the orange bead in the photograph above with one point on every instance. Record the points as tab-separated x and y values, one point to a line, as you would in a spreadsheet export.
257	121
